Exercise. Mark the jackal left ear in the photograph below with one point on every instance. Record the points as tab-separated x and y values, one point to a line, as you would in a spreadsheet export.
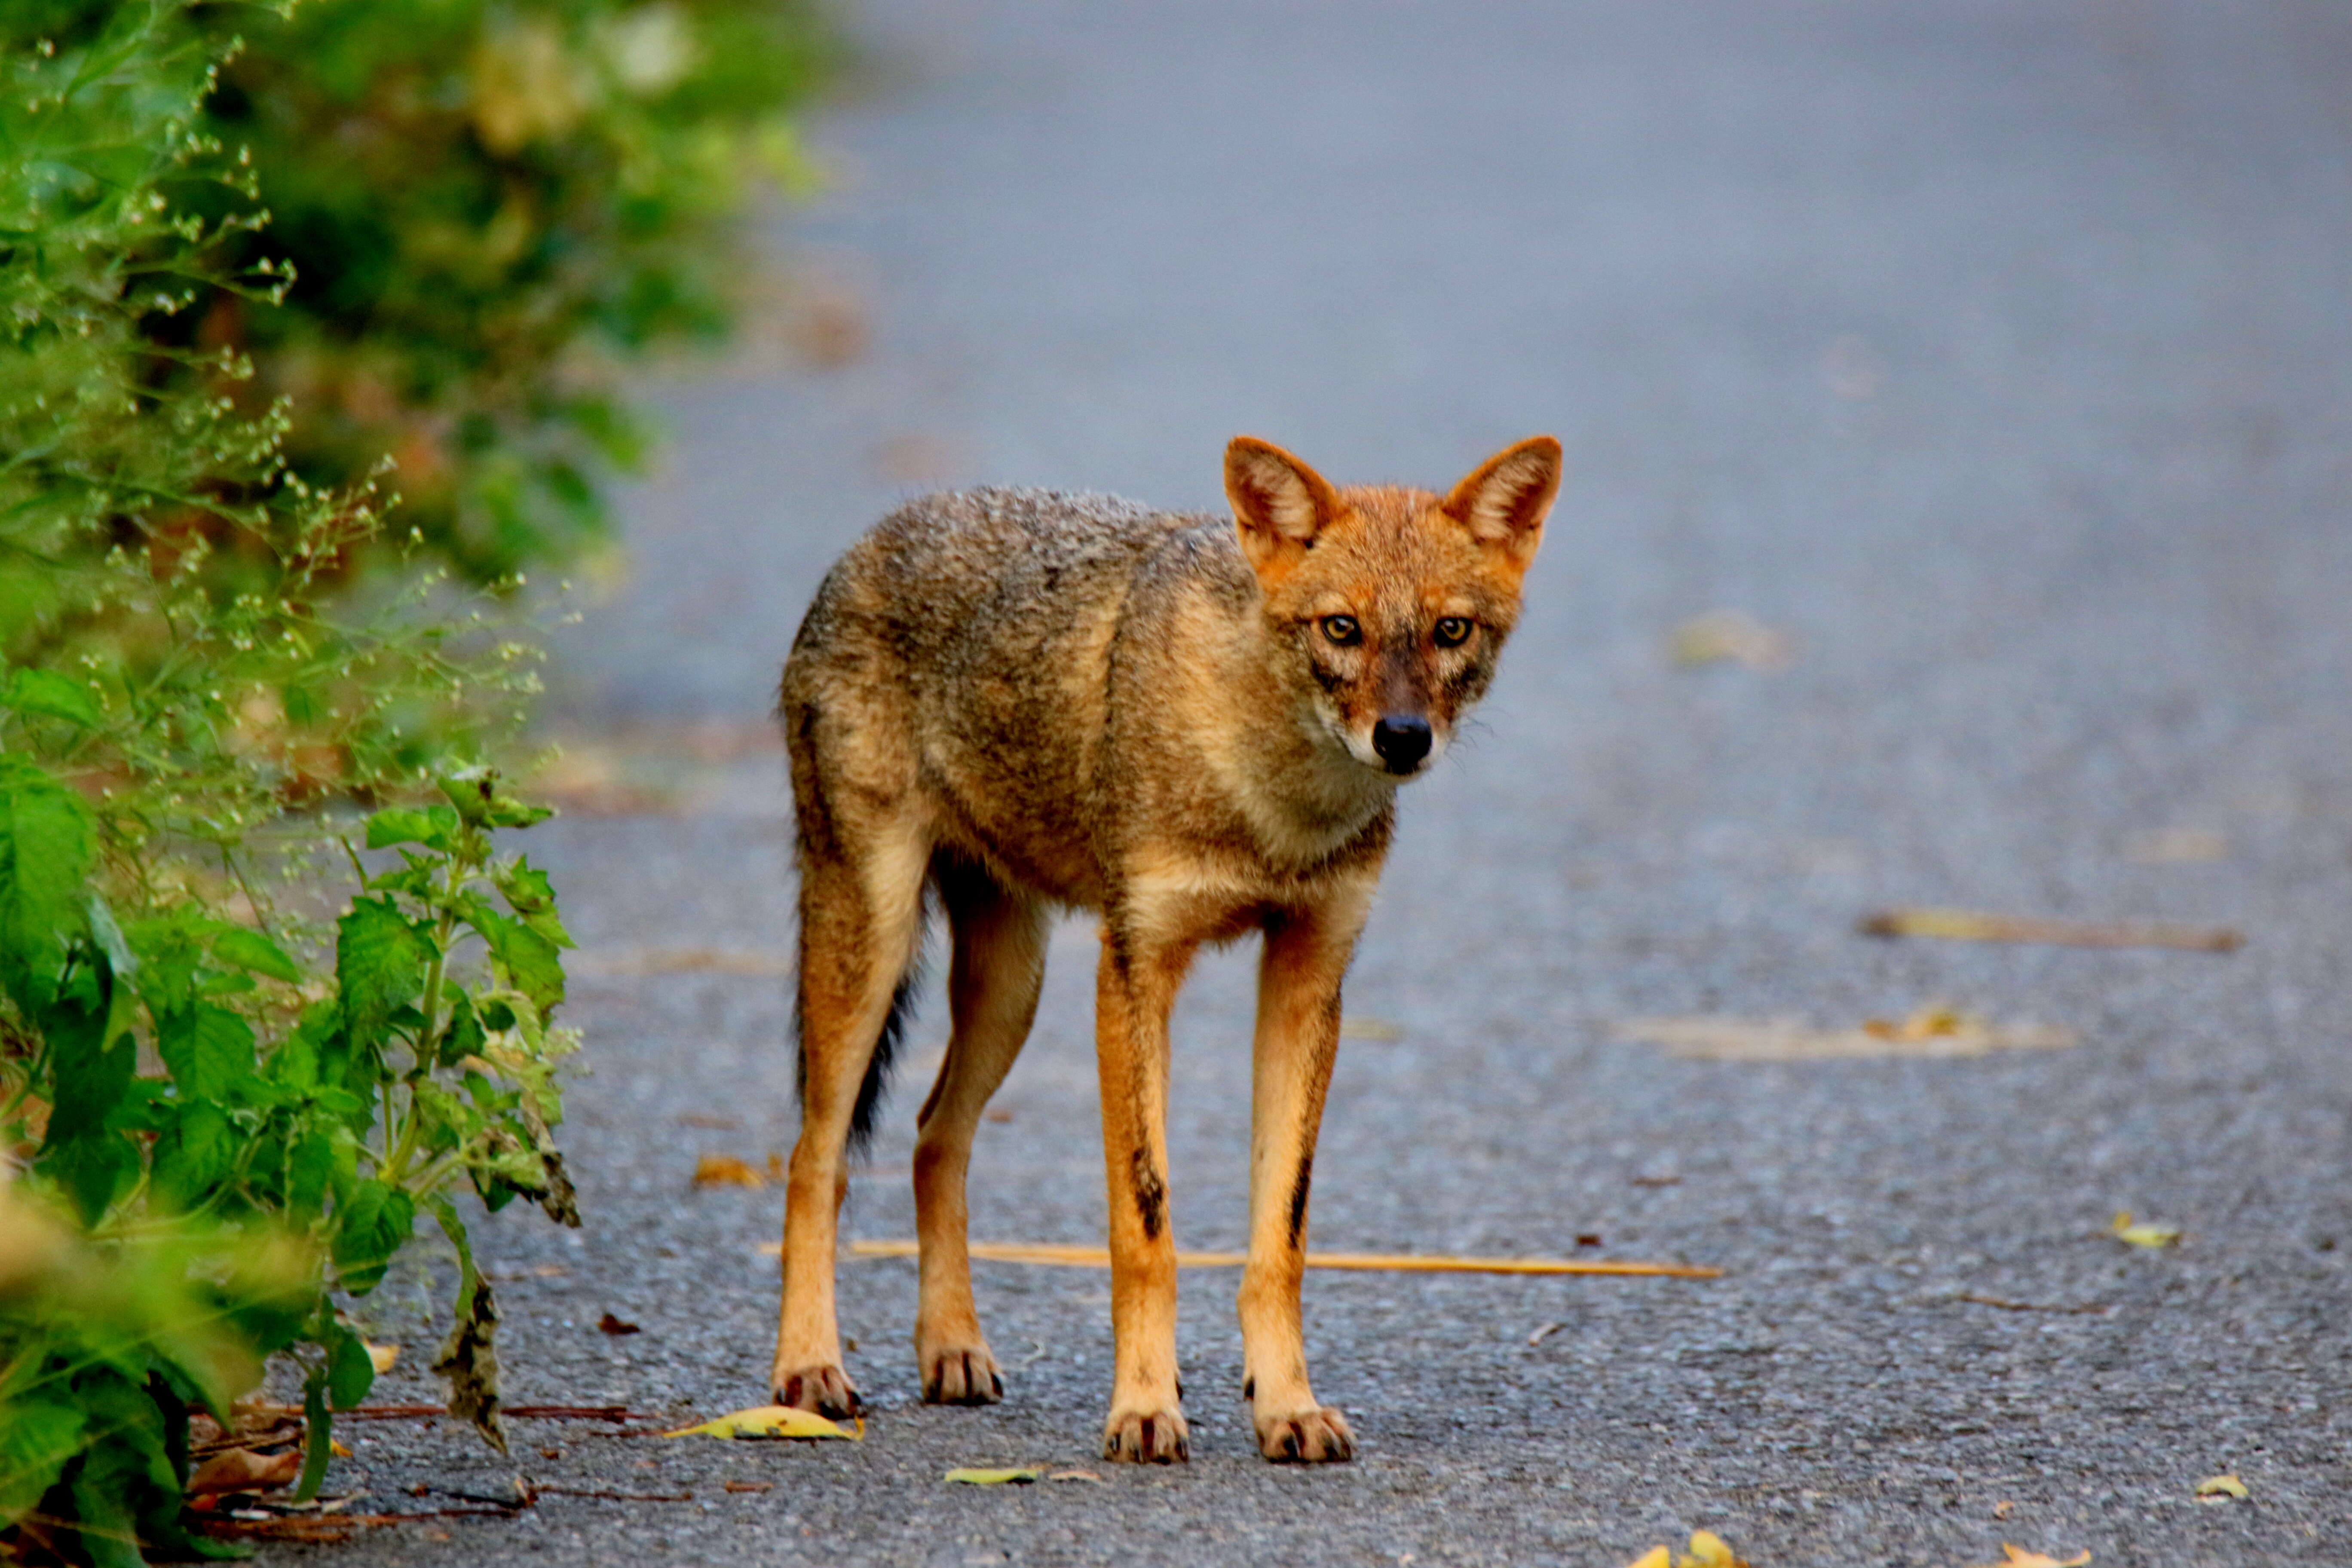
1279	503
1504	503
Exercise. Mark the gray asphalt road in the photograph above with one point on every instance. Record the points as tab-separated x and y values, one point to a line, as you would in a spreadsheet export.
2001	355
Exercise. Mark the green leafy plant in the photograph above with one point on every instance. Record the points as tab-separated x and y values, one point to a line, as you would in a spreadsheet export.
220	1117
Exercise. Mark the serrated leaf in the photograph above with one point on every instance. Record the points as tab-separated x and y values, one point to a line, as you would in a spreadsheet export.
380	958
770	1420
529	893
977	1478
53	696
429	825
251	951
525	960
368	1229
44	860
208	1049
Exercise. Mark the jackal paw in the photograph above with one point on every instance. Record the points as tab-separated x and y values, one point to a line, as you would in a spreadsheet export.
959	1375
1311	1436
824	1389
1147	1437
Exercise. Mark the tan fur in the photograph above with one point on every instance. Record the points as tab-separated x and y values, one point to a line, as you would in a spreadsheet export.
1193	727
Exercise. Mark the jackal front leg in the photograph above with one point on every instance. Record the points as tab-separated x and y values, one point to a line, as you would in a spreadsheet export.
1297	1040
1134	991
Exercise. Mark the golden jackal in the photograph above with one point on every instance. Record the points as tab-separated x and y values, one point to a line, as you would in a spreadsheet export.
1022	702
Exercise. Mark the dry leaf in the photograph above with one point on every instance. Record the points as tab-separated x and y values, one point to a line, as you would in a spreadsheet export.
612	1325
1968	925
1075	1255
2178	846
2148	1234
2003	1509
642	961
993	1478
1733	635
750	1486
2017	1557
726	1171
1936	1030
1544	1331
1358	1028
383	1357
243	1470
2221	1488
770	1420
1708	1550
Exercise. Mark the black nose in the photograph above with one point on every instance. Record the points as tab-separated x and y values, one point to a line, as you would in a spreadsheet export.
1401	740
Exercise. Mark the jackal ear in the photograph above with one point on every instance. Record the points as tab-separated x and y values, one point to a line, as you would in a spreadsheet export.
1504	503
1279	503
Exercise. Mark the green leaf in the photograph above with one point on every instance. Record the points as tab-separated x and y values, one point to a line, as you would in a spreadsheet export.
464	1036
208	1050
53	696
523	959
250	949
350	1371
36	1441
194	1153
370	1228
431	826
380	958
44	860
529	893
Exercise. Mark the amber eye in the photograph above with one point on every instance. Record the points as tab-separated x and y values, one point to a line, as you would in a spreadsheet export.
1451	631
1343	630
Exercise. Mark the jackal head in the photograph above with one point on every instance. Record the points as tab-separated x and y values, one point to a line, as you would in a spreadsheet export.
1388	606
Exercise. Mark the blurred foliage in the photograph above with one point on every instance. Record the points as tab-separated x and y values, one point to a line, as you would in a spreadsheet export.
485	211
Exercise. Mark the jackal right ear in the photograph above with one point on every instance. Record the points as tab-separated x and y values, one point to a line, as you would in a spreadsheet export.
1279	502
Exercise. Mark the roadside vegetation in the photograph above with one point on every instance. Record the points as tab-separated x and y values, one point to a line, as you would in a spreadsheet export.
309	326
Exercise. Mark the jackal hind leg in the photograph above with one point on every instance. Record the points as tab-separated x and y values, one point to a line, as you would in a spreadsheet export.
998	965
1296	1043
860	920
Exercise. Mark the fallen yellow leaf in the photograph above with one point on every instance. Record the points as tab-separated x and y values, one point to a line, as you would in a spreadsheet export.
726	1171
1732	635
1971	925
770	1420
383	1356
1015	1478
2144	1235
1935	1030
2214	1487
1708	1550
2017	1557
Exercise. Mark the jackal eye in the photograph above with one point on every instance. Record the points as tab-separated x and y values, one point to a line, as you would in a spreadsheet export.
1342	630
1451	631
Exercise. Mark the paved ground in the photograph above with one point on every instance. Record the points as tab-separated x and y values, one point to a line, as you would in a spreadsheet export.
2003	355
